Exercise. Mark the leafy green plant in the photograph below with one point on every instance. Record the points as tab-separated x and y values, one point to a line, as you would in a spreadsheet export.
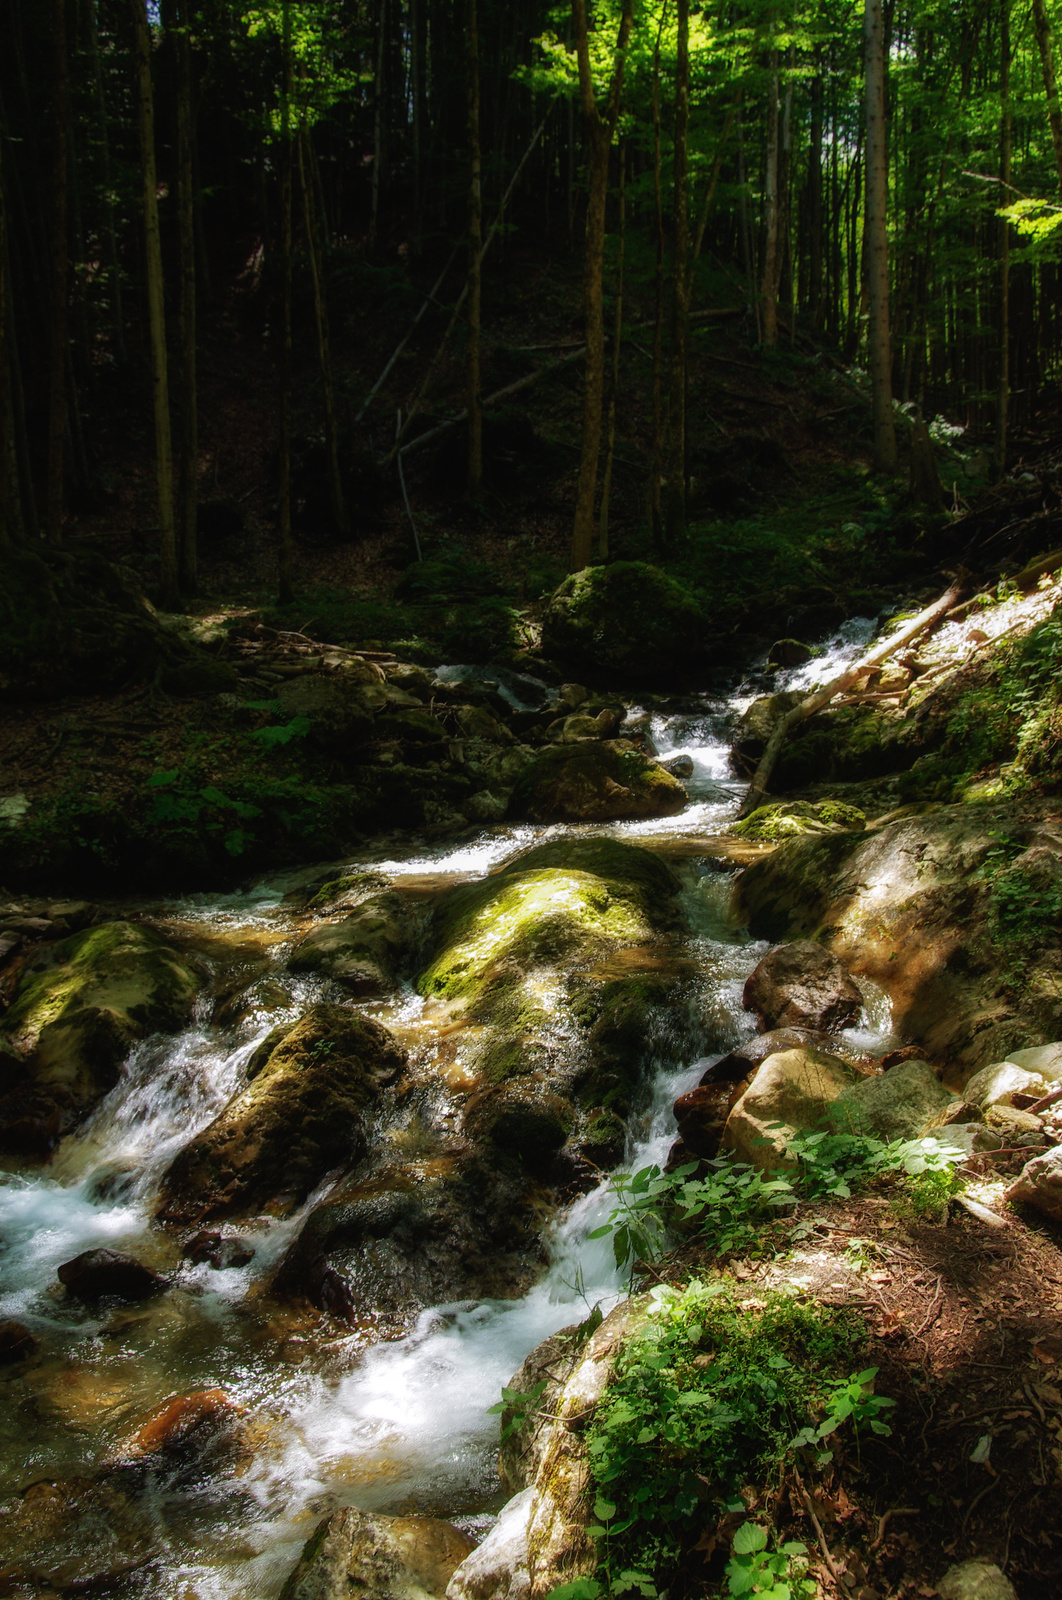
516	1406
839	1163
753	1569
270	737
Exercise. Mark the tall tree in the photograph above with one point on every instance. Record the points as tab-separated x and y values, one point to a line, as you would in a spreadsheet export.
1006	133
1047	68
169	590
12	528
876	245
57	356
285	541
475	253
772	263
187	405
324	350
600	130
676	467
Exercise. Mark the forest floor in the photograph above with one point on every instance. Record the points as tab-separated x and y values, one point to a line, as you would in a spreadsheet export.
964	1326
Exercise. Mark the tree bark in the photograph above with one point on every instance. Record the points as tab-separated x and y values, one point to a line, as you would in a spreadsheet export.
876	241
617	353
12	528
324	355
285	541
656	509
168	582
475	254
771	262
60	252
680	306
187	398
1047	67
600	130
113	267
1005	143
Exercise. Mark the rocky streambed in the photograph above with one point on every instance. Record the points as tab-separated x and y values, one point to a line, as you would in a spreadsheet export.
298	1177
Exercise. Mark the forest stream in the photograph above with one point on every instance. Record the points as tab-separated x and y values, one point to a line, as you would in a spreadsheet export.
396	1426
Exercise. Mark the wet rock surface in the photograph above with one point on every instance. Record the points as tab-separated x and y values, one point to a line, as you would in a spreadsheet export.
73	1535
369	949
353	1553
189	1437
909	905
801	985
79	1006
97	1275
597	780
303	1112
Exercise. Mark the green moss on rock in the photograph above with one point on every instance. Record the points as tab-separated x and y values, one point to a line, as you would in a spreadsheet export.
598	781
627	618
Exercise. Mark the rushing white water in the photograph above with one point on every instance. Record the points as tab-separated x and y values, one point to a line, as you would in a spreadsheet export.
406	1424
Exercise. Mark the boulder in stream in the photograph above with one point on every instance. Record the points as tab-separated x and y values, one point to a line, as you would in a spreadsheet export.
304	1112
16	1343
598	780
187	1438
73	1536
79	1007
368	949
801	985
355	1554
628	620
497	1568
108	1275
790	1093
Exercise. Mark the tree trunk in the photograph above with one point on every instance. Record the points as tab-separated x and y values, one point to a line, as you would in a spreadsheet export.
113	268
60	278
814	305
876	246
1005	142
285	541
771	262
617	353
324	356
656	510
600	129
475	254
168	584
1047	65
187	400
12	528
377	136
676	469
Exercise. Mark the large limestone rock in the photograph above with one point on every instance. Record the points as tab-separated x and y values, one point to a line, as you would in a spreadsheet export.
497	1569
996	1085
304	1112
898	1104
353	1554
979	1579
1046	1059
626	620
801	985
80	1006
368	950
908	905
1040	1184
795	1088
601	780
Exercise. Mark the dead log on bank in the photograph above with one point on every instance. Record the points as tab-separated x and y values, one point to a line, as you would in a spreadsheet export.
816	702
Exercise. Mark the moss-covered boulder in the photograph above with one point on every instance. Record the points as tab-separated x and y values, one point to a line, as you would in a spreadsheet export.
304	1112
601	780
339	708
80	1006
390	1558
898	1104
455	1224
368	949
942	911
788	819
627	619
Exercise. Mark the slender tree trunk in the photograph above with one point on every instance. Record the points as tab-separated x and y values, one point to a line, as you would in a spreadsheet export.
187	398
168	584
60	252
324	356
285	541
814	208
12	528
717	167
475	254
113	266
676	469
1005	143
617	353
876	241
378	112
600	129
656	509
771	261
1047	66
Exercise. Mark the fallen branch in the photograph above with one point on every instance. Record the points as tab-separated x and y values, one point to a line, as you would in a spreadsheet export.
492	400
822	697
827	1555
1048	1100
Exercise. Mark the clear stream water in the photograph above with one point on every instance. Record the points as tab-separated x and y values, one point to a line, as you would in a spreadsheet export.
399	1426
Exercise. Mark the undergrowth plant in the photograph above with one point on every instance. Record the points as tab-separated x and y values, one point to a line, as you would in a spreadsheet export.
712	1394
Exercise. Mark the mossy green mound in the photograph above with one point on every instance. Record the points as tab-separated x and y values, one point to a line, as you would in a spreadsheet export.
598	781
303	1112
789	819
628	618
